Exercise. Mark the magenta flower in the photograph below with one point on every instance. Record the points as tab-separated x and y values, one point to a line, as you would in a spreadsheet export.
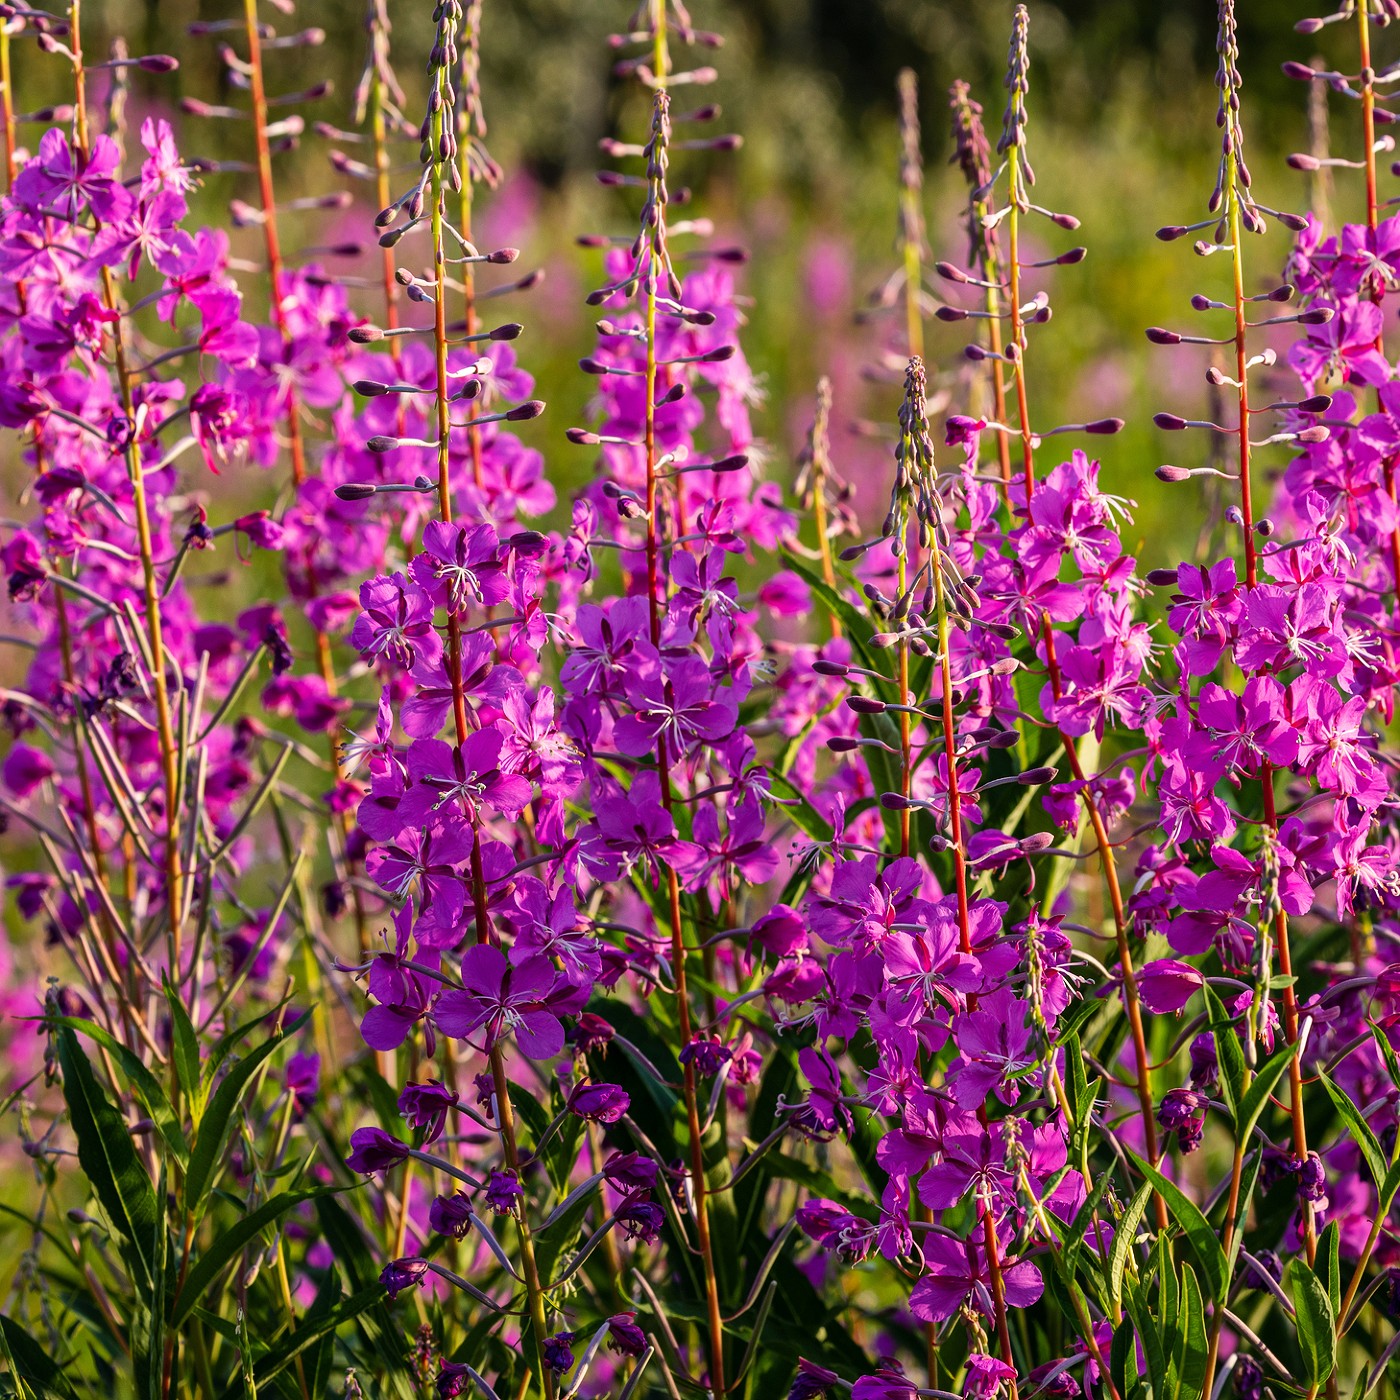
497	1000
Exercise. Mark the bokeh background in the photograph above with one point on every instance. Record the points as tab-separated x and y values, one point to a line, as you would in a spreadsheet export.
1122	135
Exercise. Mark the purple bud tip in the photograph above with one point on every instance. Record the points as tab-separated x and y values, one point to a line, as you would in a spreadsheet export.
1104	425
1038	841
581	437
370	388
385	217
511	331
1169	422
831	668
503	255
721	352
950	313
1295	223
1318	316
1282	293
380	443
591	366
1300	161
730	464
866	705
1298	71
1066	221
947	270
1200	303
365	335
1162	578
1073	256
842	745
1264	528
975	353
894	802
1317	433
524	411
1158	336
1006	666
1169	473
1171	232
158	63
1033	777
353	491
1308	26
1319	403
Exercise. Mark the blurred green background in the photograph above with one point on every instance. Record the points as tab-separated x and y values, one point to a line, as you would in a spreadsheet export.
1122	135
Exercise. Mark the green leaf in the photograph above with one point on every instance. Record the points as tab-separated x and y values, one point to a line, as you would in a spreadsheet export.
1122	1248
311	1331
109	1161
31	1365
1317	1341
1191	1367
1329	1265
1359	1128
149	1091
1199	1234
1257	1095
232	1241
186	1052
207	1155
1228	1054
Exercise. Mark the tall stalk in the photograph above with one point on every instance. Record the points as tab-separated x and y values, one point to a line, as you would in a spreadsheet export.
440	148
658	264
165	728
1020	177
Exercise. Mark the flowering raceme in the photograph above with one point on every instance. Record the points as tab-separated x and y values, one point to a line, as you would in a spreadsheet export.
609	925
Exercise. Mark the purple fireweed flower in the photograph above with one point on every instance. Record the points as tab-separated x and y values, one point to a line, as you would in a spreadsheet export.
496	1000
956	1275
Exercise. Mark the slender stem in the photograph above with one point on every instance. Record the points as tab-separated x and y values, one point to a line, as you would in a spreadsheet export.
170	761
1131	1001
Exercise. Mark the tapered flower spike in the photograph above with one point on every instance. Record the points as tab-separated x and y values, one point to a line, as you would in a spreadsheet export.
972	154
1232	203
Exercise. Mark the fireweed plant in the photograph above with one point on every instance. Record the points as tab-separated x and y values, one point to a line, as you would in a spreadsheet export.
677	939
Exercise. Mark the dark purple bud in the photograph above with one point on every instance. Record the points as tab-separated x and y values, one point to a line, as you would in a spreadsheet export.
630	1171
1169	473
365	335
1104	426
1298	71
581	437
510	331
1158	336
354	491
399	1274
503	255
1032	777
451	1215
503	1190
599	1103
525	411
1169	422
557	1353
373	1150
453	1379
158	63
866	705
1180	1107
1318	403
380	443
1172	232
625	1336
